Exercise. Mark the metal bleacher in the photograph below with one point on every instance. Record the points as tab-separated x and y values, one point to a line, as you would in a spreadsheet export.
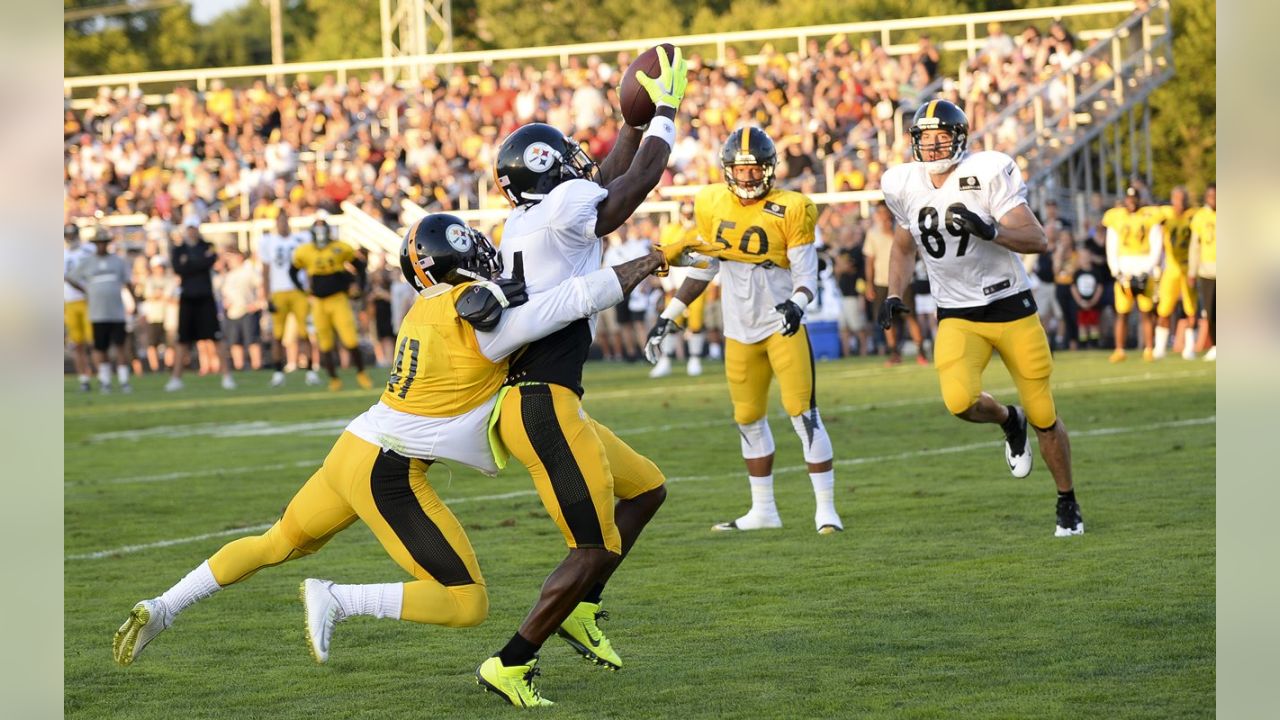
1063	150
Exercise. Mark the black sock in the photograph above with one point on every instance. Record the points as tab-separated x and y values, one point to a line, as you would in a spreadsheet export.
593	595
1010	423
1069	495
280	366
518	651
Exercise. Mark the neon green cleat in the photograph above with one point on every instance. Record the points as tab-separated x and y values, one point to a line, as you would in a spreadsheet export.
514	684
147	619
584	635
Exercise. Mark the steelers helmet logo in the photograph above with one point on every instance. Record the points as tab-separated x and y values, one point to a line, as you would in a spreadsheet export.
458	237
539	157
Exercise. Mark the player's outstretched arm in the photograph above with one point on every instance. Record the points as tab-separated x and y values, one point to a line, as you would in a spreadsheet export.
902	261
620	157
642	175
1021	232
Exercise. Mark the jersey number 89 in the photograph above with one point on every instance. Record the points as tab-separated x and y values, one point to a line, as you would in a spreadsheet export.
931	232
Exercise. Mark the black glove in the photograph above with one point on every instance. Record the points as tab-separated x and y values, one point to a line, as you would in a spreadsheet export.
271	307
1138	284
653	346
969	221
791	314
892	308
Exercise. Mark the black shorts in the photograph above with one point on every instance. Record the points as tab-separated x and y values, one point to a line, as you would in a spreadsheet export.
106	334
382	319
624	312
245	330
155	334
198	320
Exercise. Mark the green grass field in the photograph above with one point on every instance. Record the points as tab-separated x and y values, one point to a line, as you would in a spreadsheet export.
948	597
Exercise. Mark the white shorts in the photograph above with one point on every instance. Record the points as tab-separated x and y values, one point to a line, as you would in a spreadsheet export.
1045	295
853	313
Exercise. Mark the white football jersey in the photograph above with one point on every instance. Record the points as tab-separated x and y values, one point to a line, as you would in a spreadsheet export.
964	271
71	258
277	253
557	236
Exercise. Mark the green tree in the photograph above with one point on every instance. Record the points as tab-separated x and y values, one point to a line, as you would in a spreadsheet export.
343	30
521	23
1184	113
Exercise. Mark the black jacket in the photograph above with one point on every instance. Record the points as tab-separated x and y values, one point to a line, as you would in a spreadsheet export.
193	264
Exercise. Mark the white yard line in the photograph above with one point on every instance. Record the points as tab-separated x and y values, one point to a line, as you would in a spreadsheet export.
1077	434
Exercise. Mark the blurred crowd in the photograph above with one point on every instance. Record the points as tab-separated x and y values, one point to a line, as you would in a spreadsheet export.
835	112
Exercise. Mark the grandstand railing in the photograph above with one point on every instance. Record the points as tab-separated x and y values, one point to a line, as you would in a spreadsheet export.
884	30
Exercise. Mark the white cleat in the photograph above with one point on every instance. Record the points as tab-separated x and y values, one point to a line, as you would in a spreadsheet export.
322	612
147	619
662	368
1017	447
126	388
277	379
228	382
174	385
749	522
828	523
1212	355
1189	353
313	377
695	367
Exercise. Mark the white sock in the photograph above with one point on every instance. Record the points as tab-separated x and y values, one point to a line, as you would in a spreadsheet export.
715	352
1162	340
824	496
122	373
1189	340
84	379
762	505
104	374
696	343
197	585
381	600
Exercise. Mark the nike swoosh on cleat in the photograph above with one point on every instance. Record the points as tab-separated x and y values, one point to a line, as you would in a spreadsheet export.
587	631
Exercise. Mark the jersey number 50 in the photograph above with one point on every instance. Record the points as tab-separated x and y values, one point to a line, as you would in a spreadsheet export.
931	233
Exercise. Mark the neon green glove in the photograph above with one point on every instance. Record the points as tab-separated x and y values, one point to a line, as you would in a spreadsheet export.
668	88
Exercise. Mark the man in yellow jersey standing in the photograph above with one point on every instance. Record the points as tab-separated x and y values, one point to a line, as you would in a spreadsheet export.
326	261
1203	266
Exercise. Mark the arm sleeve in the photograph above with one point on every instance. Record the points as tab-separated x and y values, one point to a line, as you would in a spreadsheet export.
573	206
1005	190
804	268
547	312
1113	250
1155	241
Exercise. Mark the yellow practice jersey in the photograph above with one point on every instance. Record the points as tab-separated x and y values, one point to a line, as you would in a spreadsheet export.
1132	228
1176	229
325	266
675	232
758	233
438	369
1204	225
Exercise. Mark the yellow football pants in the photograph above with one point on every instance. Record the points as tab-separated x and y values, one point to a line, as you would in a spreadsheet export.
578	465
1126	298
750	368
332	314
1174	286
289	303
76	316
964	349
391	494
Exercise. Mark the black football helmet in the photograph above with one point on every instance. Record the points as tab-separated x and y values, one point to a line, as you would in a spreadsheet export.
749	146
321	233
940	115
536	158
441	248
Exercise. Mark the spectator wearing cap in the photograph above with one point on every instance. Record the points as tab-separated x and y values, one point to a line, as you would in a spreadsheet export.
75	309
193	262
104	276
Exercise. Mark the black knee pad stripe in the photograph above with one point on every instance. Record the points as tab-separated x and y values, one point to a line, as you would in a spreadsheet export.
426	543
538	413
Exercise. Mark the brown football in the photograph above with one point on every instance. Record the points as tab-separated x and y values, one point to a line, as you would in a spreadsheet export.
637	108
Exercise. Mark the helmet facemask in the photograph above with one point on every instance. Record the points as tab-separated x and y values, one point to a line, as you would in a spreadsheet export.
953	150
753	190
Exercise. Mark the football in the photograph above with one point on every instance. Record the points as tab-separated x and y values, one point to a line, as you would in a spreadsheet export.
637	108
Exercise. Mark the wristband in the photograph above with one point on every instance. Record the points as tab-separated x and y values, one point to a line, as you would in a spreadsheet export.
675	308
663	128
800	299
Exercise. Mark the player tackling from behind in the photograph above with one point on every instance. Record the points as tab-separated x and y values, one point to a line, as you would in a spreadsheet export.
968	213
